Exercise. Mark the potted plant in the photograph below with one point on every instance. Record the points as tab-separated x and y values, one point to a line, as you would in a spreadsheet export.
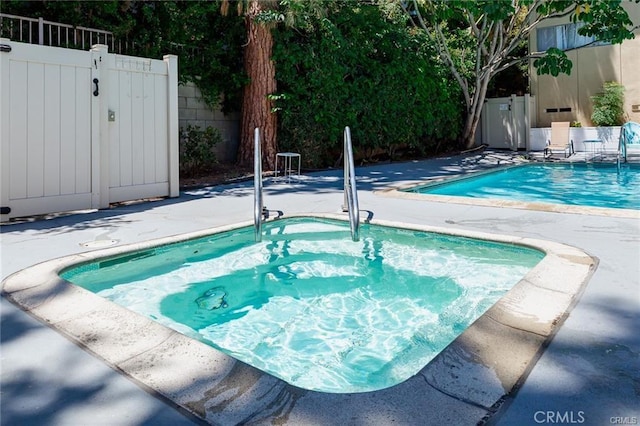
607	117
608	105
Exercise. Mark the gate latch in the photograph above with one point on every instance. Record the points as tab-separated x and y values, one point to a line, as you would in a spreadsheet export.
5	48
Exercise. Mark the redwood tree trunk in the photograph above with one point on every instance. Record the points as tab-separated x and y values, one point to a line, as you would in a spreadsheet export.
256	107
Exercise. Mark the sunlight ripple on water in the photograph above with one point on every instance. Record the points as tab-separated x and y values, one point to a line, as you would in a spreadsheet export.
311	306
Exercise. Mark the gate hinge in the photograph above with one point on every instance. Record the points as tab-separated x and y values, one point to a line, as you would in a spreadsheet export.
5	210
5	48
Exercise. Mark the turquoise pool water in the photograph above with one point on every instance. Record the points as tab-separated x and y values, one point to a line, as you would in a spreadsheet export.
583	184
311	306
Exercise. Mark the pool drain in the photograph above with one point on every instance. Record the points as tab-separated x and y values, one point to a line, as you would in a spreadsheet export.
99	243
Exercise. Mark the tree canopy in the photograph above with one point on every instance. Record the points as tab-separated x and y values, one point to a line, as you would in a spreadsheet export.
477	39
408	74
363	67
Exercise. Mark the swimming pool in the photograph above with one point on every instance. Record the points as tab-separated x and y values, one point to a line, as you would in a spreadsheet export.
569	184
309	305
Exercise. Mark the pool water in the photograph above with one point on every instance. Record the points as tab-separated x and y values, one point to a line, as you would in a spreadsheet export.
311	306
583	184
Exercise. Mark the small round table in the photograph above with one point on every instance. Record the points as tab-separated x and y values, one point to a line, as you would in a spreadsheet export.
288	166
593	146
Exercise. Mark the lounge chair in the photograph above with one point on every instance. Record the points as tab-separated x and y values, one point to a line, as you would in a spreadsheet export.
629	139
560	140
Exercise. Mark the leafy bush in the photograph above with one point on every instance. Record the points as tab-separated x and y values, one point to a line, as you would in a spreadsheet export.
197	154
357	67
608	106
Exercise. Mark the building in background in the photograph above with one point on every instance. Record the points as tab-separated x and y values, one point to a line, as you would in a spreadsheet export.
568	97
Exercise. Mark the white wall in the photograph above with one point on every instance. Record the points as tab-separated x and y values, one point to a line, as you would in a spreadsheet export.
609	135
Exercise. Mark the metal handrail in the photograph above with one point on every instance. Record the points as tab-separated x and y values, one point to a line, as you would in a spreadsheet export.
350	191
622	146
258	205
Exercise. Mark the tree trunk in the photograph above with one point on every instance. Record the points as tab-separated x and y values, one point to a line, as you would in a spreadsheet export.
471	125
474	110
256	107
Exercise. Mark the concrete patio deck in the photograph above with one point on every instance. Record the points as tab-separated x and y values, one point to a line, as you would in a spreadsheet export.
589	374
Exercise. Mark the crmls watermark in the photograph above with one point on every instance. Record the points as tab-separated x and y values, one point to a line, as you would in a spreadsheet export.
559	417
623	420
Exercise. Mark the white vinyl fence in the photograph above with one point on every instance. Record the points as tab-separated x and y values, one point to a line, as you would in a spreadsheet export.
83	129
506	121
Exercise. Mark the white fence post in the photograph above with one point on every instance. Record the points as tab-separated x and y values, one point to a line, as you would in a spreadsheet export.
527	121
172	124
5	107
40	31
99	127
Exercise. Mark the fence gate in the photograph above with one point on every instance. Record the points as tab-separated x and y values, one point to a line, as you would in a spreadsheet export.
46	130
80	130
506	122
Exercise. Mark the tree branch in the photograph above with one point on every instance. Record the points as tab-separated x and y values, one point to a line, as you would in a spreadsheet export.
440	42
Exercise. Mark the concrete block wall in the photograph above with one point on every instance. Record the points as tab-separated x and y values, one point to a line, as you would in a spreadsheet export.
192	110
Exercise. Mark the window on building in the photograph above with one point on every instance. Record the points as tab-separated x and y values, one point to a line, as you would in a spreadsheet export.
564	37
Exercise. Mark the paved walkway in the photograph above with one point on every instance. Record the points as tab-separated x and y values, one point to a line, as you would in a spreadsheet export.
588	375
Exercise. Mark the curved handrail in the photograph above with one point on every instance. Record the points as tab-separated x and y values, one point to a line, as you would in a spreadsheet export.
622	145
258	205
350	191
629	135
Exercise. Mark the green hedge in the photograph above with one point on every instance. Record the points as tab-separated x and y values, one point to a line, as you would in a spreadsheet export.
358	68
